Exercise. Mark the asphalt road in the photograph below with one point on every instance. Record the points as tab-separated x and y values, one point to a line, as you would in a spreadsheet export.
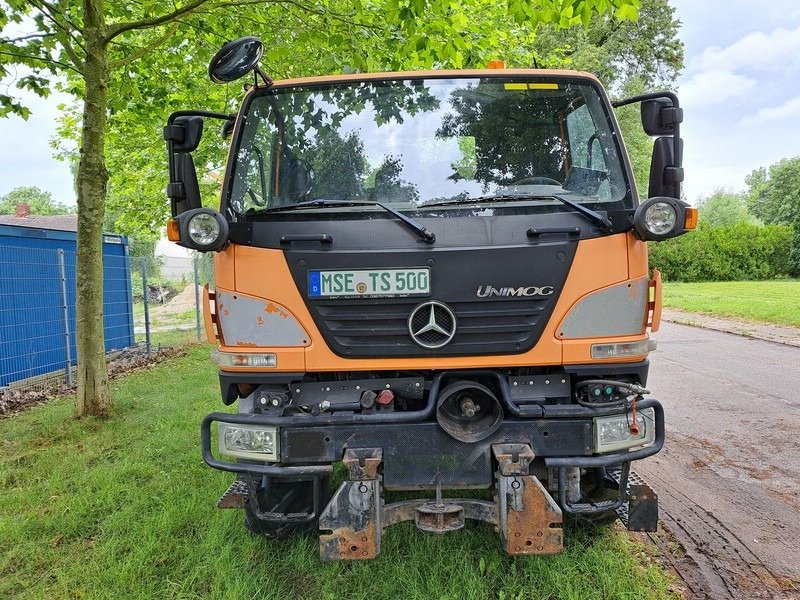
728	478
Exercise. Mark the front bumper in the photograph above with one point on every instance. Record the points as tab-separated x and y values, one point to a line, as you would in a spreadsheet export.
417	450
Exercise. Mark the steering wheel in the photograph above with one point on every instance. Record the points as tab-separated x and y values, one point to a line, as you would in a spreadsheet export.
536	181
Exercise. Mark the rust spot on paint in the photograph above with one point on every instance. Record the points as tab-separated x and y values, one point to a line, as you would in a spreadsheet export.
260	320
272	309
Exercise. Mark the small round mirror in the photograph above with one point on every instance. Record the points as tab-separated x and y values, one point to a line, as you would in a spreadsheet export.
235	59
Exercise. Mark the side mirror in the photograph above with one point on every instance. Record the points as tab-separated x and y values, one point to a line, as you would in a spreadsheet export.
666	172
185	133
184	193
235	59
660	116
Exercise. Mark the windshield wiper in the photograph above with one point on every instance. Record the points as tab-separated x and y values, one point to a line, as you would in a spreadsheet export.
427	236
592	215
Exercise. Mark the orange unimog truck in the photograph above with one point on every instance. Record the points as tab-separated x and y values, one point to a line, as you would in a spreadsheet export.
440	280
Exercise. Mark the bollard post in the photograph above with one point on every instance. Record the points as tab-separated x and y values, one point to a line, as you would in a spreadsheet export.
197	297
65	311
146	306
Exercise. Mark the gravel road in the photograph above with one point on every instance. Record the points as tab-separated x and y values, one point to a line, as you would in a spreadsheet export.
728	478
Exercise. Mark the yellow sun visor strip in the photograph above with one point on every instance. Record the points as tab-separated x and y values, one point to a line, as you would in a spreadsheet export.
530	86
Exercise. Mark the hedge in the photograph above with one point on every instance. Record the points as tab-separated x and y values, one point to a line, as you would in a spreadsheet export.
728	253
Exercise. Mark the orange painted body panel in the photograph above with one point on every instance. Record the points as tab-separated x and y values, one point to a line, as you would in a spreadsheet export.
637	257
212	333
264	273
224	271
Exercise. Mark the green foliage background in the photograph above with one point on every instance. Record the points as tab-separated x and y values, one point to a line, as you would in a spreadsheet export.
742	251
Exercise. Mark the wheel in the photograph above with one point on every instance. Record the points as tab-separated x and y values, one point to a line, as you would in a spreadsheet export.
596	487
286	497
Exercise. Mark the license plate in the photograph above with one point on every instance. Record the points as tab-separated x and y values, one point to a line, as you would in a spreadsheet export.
369	283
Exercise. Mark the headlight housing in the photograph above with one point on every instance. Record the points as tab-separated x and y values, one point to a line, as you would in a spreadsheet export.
663	217
614	433
200	229
255	442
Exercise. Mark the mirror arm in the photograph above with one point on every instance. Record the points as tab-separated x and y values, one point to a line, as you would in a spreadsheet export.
267	79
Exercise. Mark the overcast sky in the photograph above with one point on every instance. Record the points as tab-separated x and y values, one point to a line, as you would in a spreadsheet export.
740	91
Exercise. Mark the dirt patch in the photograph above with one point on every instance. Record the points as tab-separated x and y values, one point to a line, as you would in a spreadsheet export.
14	401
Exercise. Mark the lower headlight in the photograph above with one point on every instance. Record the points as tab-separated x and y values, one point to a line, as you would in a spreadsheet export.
256	442
614	432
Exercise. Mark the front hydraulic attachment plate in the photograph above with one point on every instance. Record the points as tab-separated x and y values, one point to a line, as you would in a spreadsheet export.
353	516
530	518
527	517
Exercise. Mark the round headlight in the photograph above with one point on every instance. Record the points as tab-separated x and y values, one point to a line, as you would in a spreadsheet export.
204	229
660	218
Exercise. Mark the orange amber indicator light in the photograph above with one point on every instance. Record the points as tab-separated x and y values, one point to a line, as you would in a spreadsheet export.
692	216
173	231
496	64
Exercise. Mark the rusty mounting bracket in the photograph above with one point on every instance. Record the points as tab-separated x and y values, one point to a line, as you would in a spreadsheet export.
527	512
353	516
362	463
513	459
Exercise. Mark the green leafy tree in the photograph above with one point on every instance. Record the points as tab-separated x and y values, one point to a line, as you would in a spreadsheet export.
773	194
794	252
646	49
120	59
631	57
725	207
40	202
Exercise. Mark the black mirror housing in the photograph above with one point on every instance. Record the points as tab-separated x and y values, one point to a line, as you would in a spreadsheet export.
235	59
660	116
666	172
184	133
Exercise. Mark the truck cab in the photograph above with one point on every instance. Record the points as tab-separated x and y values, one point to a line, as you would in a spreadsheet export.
430	281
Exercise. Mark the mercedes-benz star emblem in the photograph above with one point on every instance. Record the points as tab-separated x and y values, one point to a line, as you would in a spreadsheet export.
432	324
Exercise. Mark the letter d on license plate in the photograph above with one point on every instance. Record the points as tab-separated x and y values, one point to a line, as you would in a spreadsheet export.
369	283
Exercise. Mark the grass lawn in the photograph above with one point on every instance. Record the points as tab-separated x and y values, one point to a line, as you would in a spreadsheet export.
126	509
776	301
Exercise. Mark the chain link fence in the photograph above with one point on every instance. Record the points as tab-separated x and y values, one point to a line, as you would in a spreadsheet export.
148	303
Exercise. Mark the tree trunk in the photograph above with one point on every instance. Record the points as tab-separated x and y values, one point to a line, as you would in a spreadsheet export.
94	397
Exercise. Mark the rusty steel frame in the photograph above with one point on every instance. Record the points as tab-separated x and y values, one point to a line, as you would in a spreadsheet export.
525	514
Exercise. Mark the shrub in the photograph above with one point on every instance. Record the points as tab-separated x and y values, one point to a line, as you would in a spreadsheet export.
730	253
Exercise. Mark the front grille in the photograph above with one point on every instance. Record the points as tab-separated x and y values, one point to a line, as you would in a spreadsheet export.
381	328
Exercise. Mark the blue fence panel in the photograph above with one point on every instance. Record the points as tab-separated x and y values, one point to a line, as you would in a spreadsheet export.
32	327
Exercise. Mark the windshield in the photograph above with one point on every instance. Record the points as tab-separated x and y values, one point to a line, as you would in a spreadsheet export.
422	144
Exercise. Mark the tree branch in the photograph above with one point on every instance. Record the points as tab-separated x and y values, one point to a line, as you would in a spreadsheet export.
42	59
114	64
50	12
120	28
30	36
